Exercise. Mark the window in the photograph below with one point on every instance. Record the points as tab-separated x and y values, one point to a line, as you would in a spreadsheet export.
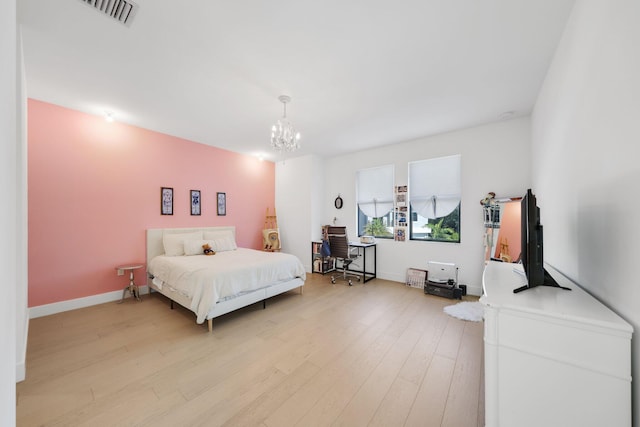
434	199
374	194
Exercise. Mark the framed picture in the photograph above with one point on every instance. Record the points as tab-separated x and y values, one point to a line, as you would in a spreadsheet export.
166	201
195	202
222	204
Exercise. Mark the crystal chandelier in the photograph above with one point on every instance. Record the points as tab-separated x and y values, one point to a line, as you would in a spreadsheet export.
283	136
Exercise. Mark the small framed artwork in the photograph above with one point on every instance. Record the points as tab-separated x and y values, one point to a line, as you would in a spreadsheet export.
166	201
222	204
195	202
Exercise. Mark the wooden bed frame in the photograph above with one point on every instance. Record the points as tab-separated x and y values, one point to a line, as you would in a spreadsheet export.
155	247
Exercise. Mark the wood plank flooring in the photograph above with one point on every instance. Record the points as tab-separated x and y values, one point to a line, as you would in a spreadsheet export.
379	354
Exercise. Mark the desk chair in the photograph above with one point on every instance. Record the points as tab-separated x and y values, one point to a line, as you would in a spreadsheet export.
339	244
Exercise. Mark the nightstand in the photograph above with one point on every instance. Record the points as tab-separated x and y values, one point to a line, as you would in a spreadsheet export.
132	287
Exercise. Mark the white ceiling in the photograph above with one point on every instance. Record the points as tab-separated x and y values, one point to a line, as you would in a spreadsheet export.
360	73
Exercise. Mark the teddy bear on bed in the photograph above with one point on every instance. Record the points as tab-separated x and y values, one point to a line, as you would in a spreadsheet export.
208	250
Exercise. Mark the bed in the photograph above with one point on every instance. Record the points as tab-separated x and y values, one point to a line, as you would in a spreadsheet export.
211	286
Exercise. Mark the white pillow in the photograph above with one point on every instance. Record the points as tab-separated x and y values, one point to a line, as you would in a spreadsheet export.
194	247
174	243
223	244
223	240
210	235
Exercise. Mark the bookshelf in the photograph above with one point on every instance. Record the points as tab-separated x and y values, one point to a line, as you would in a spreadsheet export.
320	264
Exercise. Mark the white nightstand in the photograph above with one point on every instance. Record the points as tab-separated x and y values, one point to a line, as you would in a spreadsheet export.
132	287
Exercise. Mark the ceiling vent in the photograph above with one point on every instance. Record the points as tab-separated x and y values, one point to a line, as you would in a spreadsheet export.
118	10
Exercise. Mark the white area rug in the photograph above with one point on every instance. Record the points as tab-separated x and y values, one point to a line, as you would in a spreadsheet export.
466	310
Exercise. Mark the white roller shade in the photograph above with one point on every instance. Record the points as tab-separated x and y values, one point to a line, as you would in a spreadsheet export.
375	190
434	186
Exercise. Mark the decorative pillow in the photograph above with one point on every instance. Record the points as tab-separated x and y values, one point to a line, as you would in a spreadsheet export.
222	240
223	244
174	243
211	235
194	247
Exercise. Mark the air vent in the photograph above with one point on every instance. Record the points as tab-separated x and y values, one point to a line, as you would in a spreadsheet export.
118	10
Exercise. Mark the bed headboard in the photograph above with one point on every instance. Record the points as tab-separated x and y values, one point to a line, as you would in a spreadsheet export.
155	246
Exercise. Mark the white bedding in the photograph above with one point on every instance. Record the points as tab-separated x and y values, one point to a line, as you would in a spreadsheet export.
206	280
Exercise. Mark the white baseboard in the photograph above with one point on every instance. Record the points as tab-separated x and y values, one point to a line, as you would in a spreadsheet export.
394	277
21	371
474	290
21	362
59	307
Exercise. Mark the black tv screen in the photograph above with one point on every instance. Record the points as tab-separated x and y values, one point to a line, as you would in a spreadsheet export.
532	247
531	240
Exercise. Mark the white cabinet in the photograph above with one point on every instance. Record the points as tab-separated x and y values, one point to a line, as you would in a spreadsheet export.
552	357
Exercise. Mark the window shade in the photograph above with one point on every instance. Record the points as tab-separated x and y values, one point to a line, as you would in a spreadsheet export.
434	186
375	190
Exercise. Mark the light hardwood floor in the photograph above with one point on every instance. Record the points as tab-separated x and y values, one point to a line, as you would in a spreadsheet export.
379	354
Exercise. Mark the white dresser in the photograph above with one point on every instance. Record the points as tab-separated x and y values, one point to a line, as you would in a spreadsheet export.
552	357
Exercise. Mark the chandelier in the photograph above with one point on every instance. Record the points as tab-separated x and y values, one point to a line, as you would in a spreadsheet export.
283	136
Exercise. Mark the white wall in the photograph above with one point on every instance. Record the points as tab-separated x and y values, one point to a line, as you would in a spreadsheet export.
299	192
495	157
8	213
585	138
22	222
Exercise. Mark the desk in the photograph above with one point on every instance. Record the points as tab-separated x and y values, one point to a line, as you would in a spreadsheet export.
323	265
368	271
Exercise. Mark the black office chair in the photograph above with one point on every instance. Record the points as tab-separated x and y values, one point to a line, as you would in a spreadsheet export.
339	244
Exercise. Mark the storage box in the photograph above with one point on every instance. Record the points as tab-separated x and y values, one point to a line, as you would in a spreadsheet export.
441	290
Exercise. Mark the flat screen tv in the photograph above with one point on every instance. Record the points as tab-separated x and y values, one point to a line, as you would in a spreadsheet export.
531	249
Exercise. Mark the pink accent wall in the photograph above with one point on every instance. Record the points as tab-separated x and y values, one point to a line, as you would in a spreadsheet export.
94	188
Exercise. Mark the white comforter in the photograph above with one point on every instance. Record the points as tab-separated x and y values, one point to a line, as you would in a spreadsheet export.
209	279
